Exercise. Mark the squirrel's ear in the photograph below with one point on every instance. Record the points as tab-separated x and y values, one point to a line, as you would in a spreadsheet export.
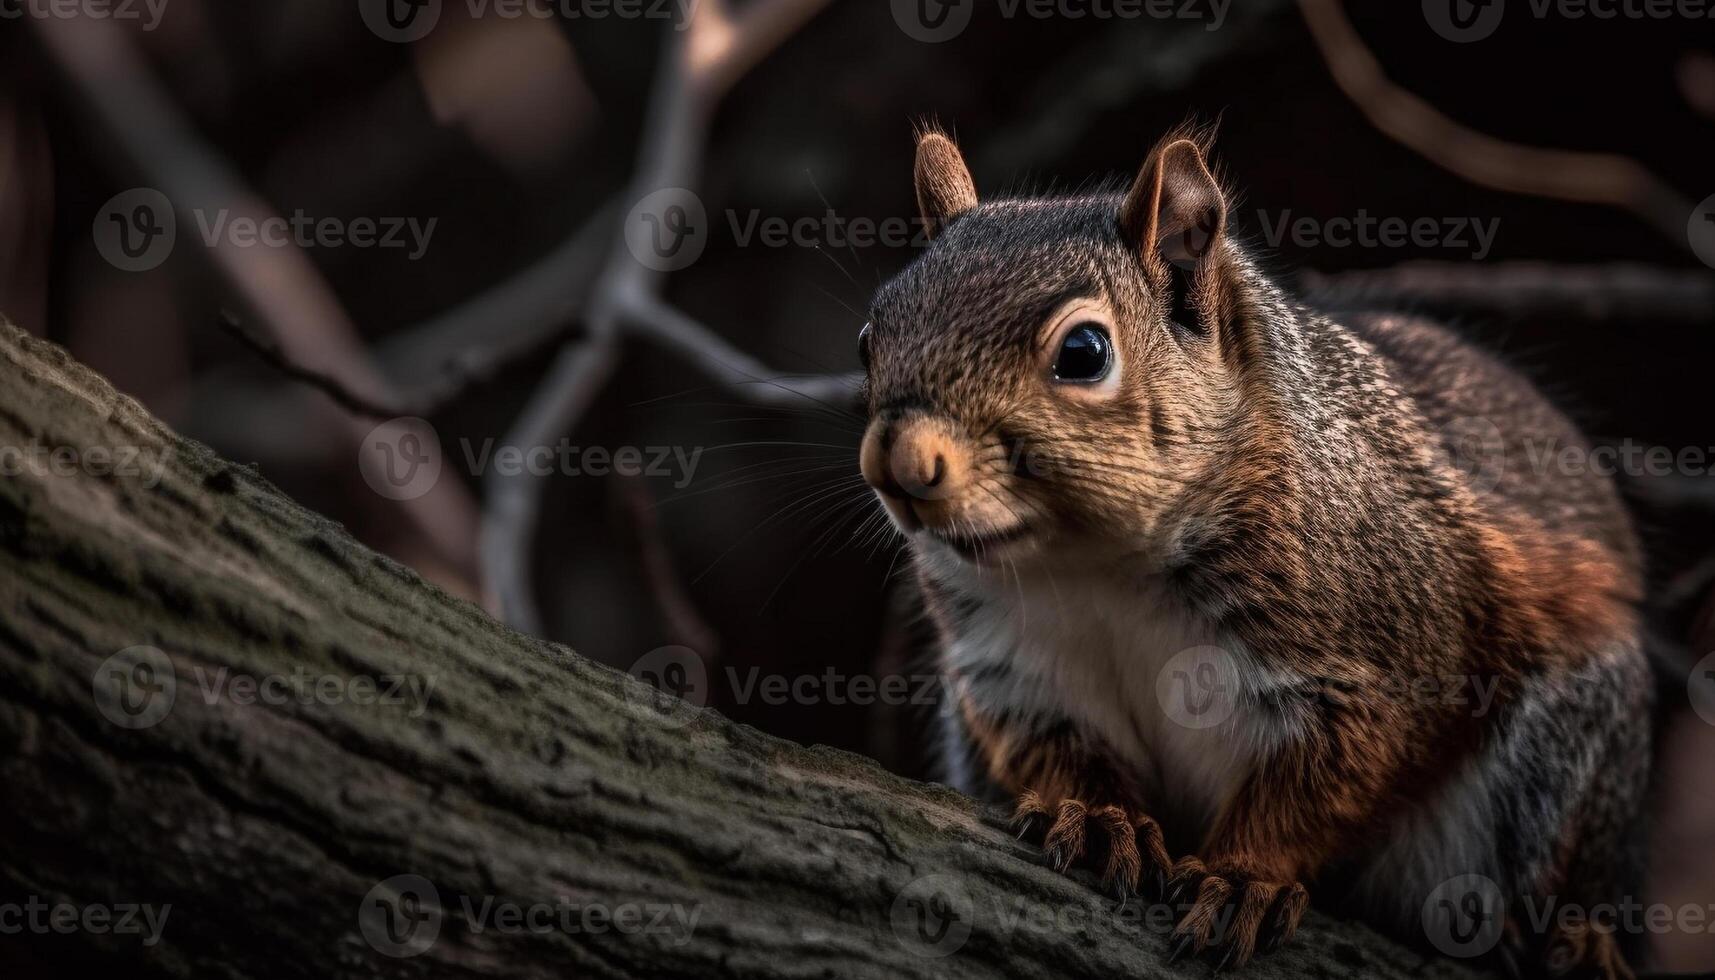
1176	217
944	186
1175	211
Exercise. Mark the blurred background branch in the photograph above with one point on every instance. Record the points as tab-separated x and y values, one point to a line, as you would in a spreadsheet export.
1591	178
701	63
279	286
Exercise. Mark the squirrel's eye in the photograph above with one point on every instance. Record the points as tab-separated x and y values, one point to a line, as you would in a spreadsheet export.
863	346
1084	355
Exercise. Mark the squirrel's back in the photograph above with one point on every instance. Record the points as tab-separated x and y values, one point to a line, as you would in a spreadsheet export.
1497	426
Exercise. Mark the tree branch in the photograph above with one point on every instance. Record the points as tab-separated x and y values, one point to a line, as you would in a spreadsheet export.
523	777
1567	175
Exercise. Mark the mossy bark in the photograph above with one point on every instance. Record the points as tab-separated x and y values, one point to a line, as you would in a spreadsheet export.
527	777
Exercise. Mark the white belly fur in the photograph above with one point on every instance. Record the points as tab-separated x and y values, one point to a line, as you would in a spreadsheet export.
1095	650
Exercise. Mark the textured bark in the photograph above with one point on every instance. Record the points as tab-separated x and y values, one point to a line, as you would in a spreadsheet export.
533	775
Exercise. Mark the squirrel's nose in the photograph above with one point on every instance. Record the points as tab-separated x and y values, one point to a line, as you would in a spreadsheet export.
914	457
917	464
937	472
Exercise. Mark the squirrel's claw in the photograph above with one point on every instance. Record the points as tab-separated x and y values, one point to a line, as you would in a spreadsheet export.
1234	912
1182	879
1134	843
1073	829
1031	815
1181	946
1065	840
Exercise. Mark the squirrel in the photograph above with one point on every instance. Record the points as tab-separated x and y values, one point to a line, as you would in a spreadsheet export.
1129	468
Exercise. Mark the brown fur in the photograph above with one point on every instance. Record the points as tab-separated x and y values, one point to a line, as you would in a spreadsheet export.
1292	483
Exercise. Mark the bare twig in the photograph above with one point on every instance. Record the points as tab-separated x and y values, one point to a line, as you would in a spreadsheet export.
1515	289
511	320
313	341
512	502
658	321
271	355
730	43
279	286
1080	88
455	380
1594	178
701	63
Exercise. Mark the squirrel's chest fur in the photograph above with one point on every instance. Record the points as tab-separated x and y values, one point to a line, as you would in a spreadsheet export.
1124	659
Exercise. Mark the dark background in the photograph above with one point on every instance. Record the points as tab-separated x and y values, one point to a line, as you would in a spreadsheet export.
513	134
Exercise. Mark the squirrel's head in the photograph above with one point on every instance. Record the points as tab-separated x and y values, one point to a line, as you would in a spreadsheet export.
1045	379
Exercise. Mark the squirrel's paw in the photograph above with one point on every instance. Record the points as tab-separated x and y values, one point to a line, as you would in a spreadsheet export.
1126	841
1231	910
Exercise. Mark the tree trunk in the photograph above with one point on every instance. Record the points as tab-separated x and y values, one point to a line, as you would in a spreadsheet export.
559	818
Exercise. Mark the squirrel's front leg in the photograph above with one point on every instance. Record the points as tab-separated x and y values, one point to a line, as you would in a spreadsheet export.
1074	795
1244	889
